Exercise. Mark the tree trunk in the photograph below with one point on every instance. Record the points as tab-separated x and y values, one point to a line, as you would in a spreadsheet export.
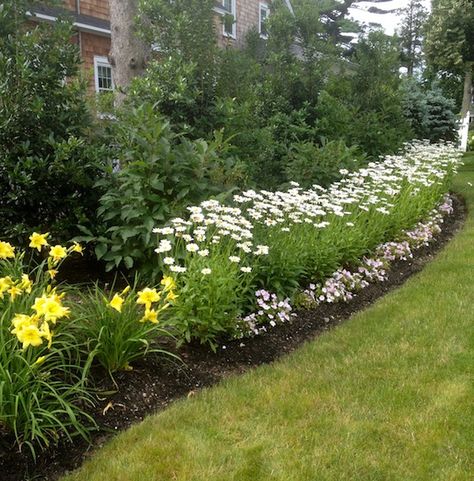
128	52
467	95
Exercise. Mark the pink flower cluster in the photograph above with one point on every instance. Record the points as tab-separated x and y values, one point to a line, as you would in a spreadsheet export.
272	311
446	208
339	287
343	284
394	251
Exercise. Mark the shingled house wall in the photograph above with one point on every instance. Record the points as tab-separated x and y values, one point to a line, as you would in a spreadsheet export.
91	20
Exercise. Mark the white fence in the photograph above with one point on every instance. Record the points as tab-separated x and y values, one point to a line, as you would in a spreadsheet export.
464	131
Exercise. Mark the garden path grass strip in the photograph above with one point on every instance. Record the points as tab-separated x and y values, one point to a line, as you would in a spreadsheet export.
386	396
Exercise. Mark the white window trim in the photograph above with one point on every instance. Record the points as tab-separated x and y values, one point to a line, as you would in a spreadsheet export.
262	6
234	25
100	61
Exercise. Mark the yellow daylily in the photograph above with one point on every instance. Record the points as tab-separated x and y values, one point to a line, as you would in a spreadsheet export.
76	248
37	241
116	303
52	273
46	333
26	283
150	315
30	336
6	250
50	308
171	296
57	253
40	360
147	297
19	322
14	292
5	284
168	283
125	291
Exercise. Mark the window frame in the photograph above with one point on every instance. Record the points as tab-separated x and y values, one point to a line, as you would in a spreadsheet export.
100	61
233	13
266	7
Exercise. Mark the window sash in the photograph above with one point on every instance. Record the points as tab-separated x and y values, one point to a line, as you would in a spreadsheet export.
264	13
104	81
229	28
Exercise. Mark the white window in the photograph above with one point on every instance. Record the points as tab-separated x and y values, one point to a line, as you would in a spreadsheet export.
103	75
264	13
230	26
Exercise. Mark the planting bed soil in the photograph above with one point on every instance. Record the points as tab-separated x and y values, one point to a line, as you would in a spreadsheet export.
158	381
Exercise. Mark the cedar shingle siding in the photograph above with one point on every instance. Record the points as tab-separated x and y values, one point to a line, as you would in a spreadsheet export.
91	19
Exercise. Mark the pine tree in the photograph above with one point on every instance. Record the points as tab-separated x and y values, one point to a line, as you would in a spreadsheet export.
411	35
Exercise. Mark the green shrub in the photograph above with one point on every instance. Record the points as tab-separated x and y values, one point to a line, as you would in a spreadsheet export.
309	164
47	162
160	172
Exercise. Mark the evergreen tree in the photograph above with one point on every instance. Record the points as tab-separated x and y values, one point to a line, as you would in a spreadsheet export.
450	42
411	35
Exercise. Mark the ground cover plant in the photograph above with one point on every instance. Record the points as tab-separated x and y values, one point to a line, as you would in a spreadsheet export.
221	254
384	396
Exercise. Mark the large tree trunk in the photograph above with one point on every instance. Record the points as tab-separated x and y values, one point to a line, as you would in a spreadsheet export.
467	95
128	52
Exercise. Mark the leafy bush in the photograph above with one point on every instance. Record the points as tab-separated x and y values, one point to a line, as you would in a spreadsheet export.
309	164
47	167
159	173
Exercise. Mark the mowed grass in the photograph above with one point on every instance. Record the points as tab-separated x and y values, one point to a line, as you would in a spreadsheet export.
388	395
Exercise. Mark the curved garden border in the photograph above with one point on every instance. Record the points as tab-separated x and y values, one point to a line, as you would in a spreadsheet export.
156	382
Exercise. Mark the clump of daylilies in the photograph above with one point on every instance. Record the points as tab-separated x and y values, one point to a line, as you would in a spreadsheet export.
44	304
33	329
148	297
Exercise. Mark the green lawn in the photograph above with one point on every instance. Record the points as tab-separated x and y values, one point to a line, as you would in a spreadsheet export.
389	395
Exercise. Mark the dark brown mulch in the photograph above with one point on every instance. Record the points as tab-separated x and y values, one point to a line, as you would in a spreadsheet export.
156	382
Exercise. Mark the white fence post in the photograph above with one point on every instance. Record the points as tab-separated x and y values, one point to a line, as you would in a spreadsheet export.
464	131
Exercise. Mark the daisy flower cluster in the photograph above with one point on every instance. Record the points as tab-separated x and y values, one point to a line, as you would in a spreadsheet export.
374	189
343	284
275	239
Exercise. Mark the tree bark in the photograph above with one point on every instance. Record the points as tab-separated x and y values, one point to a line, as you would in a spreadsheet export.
467	95
128	52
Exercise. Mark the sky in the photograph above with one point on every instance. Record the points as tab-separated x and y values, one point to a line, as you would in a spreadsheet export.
389	21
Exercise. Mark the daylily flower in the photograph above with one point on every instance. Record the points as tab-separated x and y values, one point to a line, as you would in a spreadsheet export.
37	241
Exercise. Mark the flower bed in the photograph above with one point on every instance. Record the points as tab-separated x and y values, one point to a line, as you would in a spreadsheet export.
274	242
230	272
